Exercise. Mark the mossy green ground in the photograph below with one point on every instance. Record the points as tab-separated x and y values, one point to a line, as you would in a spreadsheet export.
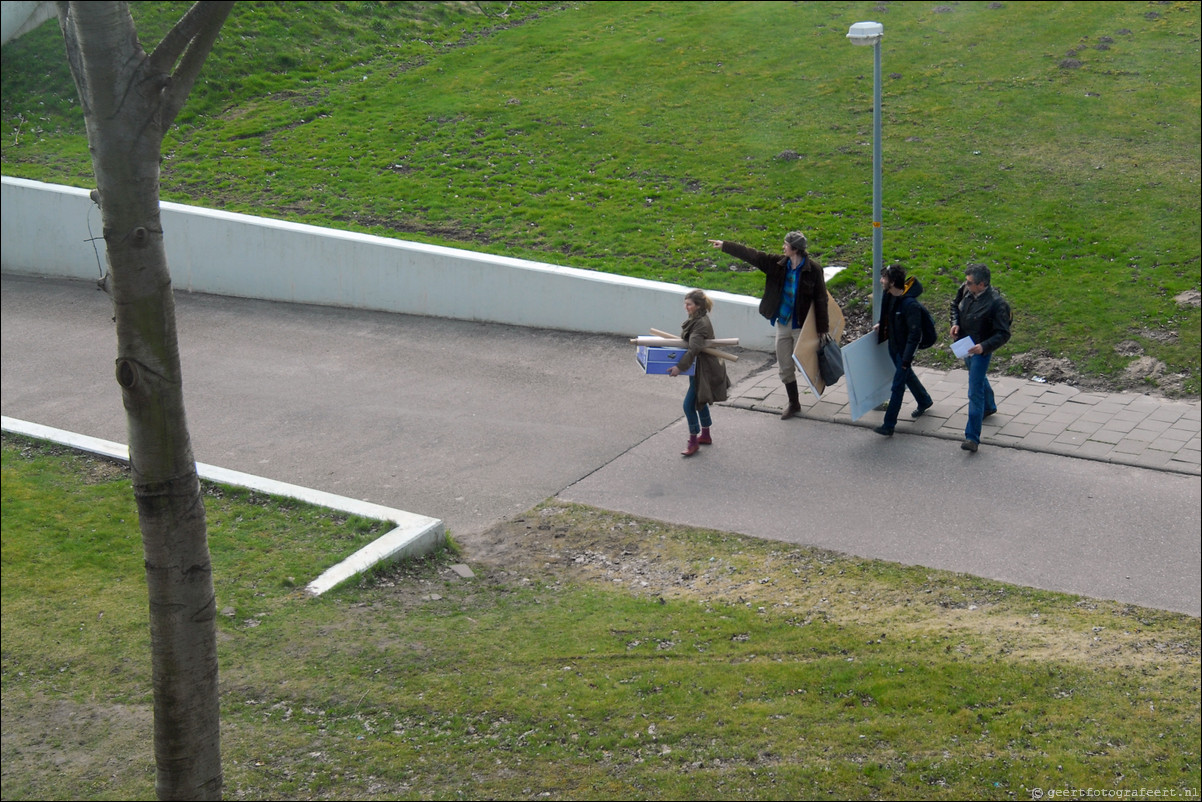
592	656
1056	142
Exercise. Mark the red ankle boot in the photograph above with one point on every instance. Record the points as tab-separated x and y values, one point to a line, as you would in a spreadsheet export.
692	447
705	438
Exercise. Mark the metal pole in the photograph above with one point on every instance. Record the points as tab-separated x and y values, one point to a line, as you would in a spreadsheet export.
869	369
877	244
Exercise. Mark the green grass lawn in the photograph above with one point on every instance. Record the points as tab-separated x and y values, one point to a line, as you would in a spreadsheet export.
1056	142
605	657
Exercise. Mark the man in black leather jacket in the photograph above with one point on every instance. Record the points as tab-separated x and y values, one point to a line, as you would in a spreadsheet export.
980	312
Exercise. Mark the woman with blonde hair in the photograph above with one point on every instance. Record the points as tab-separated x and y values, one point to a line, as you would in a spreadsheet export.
709	382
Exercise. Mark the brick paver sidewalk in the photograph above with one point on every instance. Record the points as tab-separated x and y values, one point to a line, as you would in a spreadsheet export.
1122	428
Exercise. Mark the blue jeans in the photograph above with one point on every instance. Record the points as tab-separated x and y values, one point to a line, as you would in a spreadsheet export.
903	378
980	395
696	417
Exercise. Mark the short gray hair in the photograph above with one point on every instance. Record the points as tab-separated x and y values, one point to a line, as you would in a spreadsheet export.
979	273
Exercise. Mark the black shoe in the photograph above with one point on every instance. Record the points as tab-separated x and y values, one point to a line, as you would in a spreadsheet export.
918	413
989	412
969	445
884	430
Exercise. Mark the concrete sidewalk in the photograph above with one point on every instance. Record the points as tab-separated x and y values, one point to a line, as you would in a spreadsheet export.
472	424
1120	428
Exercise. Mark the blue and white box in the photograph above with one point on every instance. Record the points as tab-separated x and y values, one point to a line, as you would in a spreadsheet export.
656	359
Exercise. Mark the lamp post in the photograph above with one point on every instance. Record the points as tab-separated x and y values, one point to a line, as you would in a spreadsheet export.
870	33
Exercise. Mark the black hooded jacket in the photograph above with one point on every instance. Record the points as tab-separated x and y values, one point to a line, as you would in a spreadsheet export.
901	321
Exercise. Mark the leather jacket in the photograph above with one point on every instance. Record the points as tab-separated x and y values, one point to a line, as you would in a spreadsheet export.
985	318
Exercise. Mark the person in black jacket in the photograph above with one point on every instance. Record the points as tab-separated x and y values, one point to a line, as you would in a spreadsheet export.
793	282
901	326
980	312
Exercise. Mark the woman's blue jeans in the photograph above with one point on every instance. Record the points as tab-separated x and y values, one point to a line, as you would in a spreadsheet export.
980	395
696	417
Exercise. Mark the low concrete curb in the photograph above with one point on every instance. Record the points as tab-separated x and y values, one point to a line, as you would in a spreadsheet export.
414	535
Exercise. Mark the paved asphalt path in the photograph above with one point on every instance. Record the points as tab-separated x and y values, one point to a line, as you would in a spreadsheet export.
467	422
1096	529
474	423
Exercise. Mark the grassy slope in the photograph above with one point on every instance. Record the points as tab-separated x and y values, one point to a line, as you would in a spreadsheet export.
619	136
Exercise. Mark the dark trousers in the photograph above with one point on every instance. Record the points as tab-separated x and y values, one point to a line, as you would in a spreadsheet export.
903	378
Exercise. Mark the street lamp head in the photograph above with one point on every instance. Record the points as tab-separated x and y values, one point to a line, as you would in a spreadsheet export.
866	33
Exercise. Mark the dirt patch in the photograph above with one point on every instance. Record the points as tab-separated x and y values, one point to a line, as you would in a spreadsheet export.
857	313
44	734
93	469
1189	299
1039	365
557	543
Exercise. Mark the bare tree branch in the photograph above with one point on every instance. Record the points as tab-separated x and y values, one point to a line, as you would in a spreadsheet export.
194	35
74	59
501	15
181	34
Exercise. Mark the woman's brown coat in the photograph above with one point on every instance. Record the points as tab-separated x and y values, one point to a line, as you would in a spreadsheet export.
712	381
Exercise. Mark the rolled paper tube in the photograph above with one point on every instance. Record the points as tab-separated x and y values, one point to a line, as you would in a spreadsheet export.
719	341
666	342
720	354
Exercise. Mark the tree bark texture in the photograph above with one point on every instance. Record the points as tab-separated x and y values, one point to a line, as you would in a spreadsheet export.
129	100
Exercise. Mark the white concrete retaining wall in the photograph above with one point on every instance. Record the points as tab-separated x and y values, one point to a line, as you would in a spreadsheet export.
48	230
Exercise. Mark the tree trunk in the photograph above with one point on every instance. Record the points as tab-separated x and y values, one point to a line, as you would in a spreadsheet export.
129	100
